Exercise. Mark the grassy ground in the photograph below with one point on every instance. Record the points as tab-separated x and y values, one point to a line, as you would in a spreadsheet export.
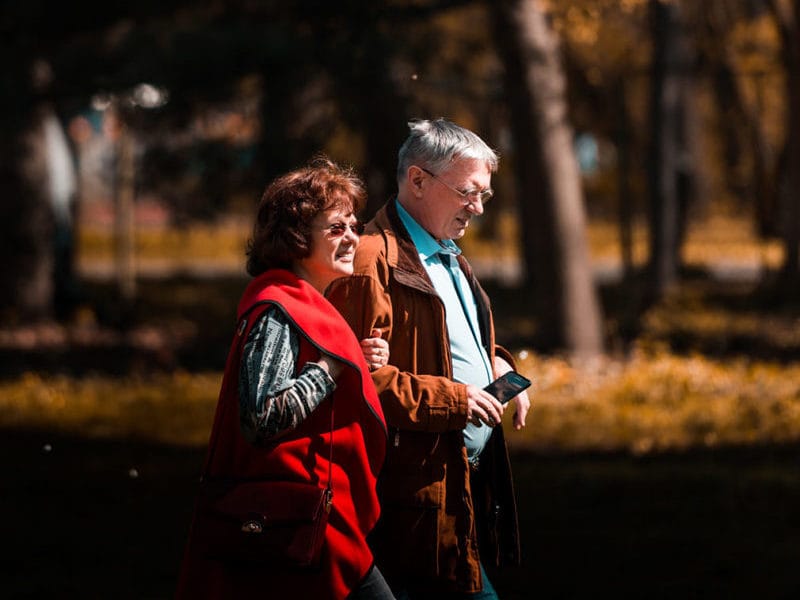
668	468
643	405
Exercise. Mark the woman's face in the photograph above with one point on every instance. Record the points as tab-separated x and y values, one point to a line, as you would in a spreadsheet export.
334	239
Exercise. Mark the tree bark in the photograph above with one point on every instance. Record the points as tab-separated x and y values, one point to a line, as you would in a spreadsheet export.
370	102
787	18
624	196
666	122
124	216
792	235
553	228
27	224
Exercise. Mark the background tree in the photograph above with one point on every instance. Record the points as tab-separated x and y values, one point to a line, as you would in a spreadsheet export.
793	237
343	79
668	160
549	193
27	220
787	15
35	36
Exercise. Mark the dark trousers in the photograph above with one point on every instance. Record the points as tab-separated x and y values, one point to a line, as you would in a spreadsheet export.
372	587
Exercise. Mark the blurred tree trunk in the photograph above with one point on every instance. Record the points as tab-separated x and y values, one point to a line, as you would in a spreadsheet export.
792	236
668	155
688	177
369	100
787	17
124	216
742	132
381	116
62	180
27	221
622	134
553	224
738	116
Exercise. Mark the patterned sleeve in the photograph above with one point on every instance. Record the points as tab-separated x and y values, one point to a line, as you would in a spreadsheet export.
272	399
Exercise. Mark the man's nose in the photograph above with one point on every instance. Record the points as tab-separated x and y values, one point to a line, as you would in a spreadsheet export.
475	206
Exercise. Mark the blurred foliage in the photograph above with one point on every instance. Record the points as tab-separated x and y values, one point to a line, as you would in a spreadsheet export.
174	408
724	237
256	87
300	77
712	365
314	76
658	401
217	242
654	402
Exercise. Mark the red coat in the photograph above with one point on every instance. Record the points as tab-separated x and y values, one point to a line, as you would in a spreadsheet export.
358	452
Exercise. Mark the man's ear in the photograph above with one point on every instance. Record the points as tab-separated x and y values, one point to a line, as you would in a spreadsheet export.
415	176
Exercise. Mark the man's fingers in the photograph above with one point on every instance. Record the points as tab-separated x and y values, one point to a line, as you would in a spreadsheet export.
523	405
488	414
493	408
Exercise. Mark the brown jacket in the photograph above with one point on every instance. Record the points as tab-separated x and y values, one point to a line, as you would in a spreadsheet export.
435	515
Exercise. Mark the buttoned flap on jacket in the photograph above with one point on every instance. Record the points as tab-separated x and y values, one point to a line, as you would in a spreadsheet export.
428	528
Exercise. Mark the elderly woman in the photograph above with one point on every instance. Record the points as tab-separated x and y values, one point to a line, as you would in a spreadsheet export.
297	402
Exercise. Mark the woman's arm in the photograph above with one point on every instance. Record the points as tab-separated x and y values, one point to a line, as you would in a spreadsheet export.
272	399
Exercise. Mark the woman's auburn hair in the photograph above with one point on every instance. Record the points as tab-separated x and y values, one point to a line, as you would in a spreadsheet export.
290	203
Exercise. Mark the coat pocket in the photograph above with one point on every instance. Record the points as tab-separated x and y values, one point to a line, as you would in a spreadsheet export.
274	523
407	535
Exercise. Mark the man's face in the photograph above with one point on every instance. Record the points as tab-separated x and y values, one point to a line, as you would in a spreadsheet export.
440	208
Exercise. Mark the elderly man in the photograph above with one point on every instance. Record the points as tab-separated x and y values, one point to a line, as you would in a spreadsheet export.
448	507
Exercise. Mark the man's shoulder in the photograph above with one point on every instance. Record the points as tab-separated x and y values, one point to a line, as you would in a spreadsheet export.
373	240
373	248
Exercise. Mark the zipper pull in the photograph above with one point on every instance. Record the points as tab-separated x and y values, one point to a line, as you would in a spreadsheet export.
396	438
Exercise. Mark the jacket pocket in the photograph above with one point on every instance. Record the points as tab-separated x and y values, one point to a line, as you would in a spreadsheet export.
406	539
412	487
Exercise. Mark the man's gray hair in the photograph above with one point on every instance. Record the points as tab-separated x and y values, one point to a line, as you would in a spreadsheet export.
435	144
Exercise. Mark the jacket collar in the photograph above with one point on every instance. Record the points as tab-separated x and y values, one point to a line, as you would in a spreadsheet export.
403	258
401	253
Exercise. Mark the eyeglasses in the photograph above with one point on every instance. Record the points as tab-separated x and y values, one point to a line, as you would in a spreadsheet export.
338	229
469	196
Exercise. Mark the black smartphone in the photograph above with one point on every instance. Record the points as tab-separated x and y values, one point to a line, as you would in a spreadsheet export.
505	387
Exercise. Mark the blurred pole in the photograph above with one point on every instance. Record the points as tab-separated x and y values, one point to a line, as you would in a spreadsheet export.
124	218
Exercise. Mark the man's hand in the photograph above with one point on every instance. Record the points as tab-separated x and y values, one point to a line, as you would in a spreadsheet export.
482	407
522	401
375	350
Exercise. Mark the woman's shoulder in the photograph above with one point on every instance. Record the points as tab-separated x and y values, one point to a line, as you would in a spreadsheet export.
267	319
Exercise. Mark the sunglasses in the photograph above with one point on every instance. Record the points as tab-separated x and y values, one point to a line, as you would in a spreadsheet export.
339	229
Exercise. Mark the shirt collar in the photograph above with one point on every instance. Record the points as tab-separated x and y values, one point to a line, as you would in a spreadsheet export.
426	245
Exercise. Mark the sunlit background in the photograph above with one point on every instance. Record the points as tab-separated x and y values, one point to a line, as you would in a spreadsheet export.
649	148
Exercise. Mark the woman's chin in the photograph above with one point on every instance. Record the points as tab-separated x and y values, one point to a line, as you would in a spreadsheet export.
344	269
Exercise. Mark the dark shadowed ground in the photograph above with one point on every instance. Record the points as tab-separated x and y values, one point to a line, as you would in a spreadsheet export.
108	518
77	522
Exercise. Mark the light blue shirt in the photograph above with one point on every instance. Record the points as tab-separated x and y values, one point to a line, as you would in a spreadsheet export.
470	362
